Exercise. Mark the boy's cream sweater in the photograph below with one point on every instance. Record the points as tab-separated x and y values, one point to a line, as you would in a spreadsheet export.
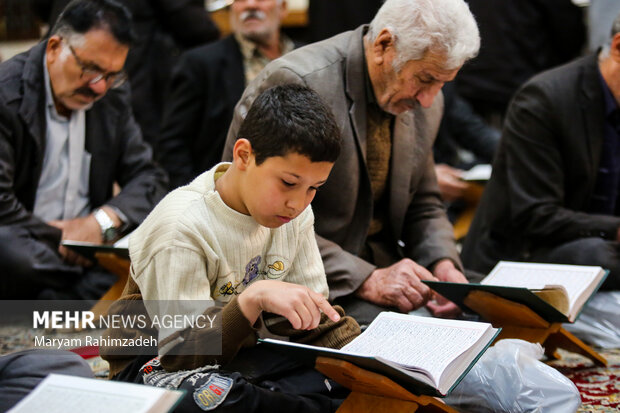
194	247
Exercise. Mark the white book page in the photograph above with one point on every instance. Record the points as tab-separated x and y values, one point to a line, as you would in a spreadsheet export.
123	242
575	278
68	394
424	342
480	172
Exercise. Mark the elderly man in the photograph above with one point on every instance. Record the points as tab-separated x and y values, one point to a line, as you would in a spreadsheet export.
66	135
381	224
207	83
554	193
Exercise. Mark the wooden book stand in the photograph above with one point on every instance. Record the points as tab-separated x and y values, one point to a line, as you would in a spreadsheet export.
372	392
471	196
118	266
518	321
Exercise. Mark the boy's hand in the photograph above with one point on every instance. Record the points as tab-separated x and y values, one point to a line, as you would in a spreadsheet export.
298	304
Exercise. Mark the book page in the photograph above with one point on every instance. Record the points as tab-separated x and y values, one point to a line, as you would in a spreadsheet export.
481	172
68	394
424	342
574	278
123	242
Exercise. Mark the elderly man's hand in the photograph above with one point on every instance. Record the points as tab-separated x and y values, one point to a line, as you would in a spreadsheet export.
441	307
398	285
450	184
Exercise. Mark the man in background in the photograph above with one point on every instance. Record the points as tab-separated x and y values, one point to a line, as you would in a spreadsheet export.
554	192
208	82
520	39
66	136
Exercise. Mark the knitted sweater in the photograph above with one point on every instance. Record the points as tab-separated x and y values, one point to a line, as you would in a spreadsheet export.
194	247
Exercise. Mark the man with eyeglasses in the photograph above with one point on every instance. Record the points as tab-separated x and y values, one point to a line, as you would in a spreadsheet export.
67	134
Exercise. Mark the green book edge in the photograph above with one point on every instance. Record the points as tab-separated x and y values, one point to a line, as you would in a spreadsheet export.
474	361
409	383
88	249
456	292
592	295
179	399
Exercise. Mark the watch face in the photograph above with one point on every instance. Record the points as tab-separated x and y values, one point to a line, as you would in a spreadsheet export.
109	234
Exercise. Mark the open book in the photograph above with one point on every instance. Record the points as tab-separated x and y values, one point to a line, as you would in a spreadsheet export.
556	292
89	249
479	173
69	394
423	354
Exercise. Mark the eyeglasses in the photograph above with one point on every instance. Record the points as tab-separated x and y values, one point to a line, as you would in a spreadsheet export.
95	74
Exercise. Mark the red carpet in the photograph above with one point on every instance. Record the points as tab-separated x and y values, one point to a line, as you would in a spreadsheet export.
599	386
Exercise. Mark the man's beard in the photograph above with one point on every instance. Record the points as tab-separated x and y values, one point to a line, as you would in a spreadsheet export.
260	37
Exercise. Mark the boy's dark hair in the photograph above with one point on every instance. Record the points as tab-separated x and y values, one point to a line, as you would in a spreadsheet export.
291	118
81	16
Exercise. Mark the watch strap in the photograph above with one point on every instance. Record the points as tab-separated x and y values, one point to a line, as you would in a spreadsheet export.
108	230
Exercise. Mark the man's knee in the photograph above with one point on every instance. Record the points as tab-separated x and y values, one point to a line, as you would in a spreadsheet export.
21	372
26	265
17	263
589	251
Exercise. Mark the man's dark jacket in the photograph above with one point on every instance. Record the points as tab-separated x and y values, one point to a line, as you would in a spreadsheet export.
545	170
204	89
206	85
462	128
112	137
520	38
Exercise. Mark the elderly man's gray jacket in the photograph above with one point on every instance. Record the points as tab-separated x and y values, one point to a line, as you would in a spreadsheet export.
343	207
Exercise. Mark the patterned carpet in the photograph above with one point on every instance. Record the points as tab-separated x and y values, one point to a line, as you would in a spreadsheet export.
599	386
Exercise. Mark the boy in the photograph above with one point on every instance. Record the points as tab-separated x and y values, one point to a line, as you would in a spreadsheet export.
242	234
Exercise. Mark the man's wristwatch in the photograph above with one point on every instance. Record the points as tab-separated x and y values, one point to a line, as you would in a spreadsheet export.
108	230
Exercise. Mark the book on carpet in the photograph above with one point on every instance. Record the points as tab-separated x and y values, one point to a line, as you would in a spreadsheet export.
59	393
89	249
556	292
423	354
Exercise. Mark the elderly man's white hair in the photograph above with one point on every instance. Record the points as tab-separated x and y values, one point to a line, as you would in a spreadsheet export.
615	29
444	27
